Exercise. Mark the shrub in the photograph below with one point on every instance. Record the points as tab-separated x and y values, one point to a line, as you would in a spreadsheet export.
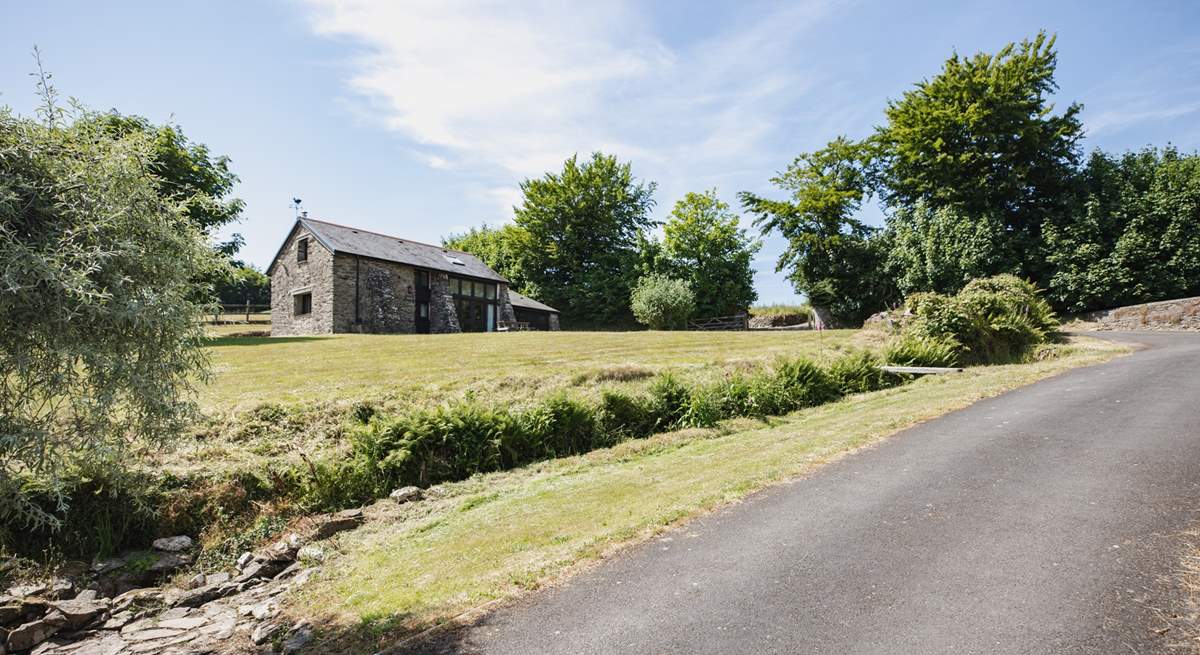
857	372
804	384
662	303
620	416
996	319
915	349
669	401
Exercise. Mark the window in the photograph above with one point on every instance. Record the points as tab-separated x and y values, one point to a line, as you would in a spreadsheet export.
423	279
491	292
477	289
303	304
423	310
302	250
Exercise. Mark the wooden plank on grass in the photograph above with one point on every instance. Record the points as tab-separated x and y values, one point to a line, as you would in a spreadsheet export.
920	370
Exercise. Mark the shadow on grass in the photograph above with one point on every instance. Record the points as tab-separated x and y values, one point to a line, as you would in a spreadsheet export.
257	341
375	638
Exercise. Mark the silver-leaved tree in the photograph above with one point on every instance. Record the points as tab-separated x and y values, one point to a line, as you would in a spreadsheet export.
100	343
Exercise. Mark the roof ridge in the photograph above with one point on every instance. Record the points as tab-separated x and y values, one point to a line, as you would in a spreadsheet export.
389	236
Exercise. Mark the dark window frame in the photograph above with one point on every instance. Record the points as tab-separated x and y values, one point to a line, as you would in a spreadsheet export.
302	304
302	250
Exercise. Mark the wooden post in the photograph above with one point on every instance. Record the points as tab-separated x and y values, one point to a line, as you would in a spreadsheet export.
247	310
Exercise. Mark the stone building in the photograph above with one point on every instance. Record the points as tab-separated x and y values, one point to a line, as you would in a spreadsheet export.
329	278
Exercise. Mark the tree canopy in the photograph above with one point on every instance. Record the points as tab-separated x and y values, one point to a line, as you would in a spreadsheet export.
831	256
704	246
100	338
978	175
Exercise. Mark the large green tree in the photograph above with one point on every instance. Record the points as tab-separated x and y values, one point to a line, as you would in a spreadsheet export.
1134	235
943	249
186	171
583	225
704	246
832	257
100	339
982	138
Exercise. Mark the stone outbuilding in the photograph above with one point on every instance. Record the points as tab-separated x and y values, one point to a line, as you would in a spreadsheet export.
329	278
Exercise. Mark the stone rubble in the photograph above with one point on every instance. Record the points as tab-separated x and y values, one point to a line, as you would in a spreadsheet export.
214	614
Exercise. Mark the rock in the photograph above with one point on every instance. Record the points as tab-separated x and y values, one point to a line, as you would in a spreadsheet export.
244	559
33	633
197	581
290	571
60	589
174	544
169	563
263	633
137	596
406	495
205	594
86	594
340	522
303	576
108	565
264	611
298	637
186	623
311	553
257	569
218	578
11	610
79	613
22	591
283	550
118	621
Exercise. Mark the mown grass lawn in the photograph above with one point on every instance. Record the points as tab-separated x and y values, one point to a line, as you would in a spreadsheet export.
252	370
497	536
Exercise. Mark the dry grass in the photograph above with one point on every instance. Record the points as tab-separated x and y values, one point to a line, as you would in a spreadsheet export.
498	536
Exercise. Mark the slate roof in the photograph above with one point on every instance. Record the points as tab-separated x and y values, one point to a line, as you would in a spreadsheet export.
526	302
353	241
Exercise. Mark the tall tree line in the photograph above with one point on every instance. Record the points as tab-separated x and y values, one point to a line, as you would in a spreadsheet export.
978	174
582	237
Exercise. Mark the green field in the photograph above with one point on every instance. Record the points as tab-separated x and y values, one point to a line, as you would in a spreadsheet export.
249	371
497	536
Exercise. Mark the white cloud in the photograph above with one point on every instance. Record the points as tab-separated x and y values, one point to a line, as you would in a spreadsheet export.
515	88
1134	114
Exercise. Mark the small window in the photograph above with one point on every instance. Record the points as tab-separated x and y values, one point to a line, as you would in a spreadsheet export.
456	286
423	310
302	250
423	279
303	304
491	292
477	289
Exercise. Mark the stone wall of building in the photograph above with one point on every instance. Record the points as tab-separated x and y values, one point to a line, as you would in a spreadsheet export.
290	277
1180	314
386	296
443	317
504	306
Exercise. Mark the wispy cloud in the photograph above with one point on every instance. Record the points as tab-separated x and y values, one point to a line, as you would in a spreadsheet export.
1136	114
518	87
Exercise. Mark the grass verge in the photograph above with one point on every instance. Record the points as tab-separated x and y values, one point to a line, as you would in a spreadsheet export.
497	536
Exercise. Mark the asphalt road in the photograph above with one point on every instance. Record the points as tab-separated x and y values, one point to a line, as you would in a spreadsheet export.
1046	520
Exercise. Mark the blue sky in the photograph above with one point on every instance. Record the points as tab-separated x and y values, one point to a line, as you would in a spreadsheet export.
420	119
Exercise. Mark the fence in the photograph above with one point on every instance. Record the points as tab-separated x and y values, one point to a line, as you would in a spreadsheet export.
735	322
246	313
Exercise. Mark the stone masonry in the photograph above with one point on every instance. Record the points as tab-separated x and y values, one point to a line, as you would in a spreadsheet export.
1180	314
312	276
352	293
